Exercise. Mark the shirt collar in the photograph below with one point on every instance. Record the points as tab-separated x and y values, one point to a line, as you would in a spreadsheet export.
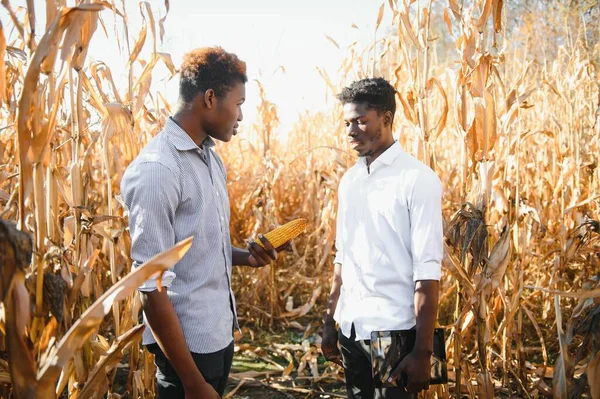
181	140
386	158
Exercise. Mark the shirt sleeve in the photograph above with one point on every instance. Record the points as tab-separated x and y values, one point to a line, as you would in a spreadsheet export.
151	194
339	251
426	228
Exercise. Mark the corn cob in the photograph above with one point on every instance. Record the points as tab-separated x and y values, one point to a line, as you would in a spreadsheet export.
283	234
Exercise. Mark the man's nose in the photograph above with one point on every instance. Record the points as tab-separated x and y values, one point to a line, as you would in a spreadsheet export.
352	130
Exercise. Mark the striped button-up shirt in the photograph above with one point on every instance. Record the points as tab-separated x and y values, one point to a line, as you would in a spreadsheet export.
175	189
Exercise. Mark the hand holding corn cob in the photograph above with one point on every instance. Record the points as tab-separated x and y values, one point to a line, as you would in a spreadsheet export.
264	250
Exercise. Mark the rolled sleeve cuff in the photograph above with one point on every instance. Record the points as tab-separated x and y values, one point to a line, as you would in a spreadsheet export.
427	271
150	284
338	257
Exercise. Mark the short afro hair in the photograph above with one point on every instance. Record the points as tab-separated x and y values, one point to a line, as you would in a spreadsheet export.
377	93
210	68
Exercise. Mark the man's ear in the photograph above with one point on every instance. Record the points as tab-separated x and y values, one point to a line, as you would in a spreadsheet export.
210	99
388	118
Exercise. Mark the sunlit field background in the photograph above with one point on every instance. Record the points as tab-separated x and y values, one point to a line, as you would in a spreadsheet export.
501	99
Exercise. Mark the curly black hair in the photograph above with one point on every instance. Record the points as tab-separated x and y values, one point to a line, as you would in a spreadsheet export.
377	93
209	68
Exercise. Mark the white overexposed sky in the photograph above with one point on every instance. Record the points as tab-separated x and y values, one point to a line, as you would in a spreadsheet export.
267	34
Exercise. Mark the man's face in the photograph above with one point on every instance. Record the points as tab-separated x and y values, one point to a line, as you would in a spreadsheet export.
365	129
227	113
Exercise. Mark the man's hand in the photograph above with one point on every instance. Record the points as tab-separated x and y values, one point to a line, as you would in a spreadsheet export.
329	344
201	391
417	368
260	256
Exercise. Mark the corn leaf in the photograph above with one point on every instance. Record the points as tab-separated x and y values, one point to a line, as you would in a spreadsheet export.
93	316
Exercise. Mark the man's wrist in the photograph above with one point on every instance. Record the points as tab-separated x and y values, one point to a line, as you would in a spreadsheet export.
423	350
192	378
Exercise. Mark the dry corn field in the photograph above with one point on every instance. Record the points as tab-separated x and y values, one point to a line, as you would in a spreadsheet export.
501	100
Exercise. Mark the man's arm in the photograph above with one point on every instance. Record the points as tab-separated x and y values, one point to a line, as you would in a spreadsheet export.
426	306
416	366
168	333
329	344
334	295
426	231
330	338
152	195
427	251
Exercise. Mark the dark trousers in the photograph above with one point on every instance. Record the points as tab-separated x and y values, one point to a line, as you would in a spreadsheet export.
214	367
356	356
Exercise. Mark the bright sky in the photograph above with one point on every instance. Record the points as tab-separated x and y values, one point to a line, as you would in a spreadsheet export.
267	34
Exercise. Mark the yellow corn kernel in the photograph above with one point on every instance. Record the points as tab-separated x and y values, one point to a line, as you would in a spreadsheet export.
282	234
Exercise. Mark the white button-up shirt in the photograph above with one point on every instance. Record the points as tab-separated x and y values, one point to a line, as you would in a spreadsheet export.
389	235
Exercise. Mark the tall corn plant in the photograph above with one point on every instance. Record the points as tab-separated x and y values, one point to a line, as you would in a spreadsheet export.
64	194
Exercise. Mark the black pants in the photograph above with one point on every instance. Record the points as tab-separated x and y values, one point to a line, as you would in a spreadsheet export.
356	357
214	367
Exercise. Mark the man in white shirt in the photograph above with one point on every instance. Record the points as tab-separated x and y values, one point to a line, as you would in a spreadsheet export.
389	248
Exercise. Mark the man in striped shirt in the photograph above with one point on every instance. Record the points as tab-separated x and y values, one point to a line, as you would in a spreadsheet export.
174	189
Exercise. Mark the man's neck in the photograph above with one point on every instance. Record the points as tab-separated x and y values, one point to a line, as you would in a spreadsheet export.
189	123
372	157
